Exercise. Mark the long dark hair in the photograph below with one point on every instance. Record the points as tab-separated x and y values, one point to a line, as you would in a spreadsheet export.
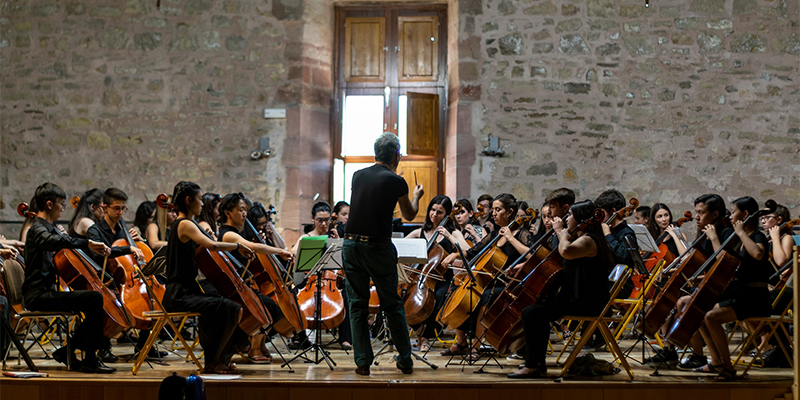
652	226
509	202
783	213
92	197
229	203
540	228
184	190
210	202
584	210
143	213
749	205
445	202
467	205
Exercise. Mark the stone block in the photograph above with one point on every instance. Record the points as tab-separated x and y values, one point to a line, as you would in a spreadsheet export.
709	42
114	39
146	41
287	10
748	43
631	10
600	8
720	24
787	43
577	88
235	43
45	10
506	7
544	8
708	6
569	25
98	140
105	11
569	9
196	7
638	45
603	25
76	9
548	169
572	45
607	49
682	39
541	35
741	7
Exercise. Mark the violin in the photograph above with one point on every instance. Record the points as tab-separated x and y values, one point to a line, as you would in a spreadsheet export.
719	270
220	271
79	272
482	270
503	318
419	299
624	212
656	260
266	273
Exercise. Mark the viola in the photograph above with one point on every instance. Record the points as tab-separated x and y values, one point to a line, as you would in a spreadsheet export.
483	269
688	263
503	318
719	270
652	260
419	299
220	271
79	272
266	270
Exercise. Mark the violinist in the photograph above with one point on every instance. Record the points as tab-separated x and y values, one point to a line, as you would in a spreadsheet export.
341	213
209	216
219	334
438	208
145	215
467	224
233	213
641	215
587	260
615	232
746	296
107	230
157	231
39	288
709	210
512	244
321	212
558	201
544	224
660	221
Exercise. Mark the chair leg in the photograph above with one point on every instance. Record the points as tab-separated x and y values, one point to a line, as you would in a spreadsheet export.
750	339
190	350
614	347
569	341
157	326
578	347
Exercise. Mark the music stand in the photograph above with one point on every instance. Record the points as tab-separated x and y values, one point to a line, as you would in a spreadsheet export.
324	261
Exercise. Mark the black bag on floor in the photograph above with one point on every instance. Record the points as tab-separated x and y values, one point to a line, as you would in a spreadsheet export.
587	365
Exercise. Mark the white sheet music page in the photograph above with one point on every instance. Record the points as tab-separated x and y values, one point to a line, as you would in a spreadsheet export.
411	251
643	237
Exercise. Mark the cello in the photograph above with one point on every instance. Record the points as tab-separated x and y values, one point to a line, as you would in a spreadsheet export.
663	304
419	297
656	260
266	273
482	270
80	273
219	270
503	318
719	270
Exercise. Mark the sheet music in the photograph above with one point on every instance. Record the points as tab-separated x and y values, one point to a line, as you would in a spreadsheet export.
411	251
643	238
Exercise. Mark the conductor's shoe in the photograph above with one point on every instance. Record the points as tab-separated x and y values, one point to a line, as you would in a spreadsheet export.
363	370
96	367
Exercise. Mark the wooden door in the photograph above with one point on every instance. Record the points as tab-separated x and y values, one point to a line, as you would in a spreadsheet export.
418	48
365	58
424	173
423	124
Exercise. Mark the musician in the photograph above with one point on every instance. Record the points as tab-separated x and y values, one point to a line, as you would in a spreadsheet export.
219	317
616	231
368	252
660	221
746	296
262	221
341	213
157	231
438	208
107	230
512	244
466	222
641	215
544	224
587	260
709	209
559	201
485	200
233	214
321	214
26	225
209	216
145	215
39	288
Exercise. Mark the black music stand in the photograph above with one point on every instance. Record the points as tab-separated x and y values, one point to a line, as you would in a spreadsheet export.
324	262
633	250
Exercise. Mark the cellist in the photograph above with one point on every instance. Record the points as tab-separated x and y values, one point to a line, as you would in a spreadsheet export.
615	232
439	207
512	244
232	216
587	260
39	288
219	317
746	296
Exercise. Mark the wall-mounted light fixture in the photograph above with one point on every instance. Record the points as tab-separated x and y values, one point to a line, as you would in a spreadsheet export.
263	150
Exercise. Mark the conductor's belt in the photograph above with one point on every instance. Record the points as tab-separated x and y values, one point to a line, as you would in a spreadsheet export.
366	239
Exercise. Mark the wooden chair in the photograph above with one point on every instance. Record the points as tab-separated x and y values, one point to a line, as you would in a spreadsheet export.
161	318
599	323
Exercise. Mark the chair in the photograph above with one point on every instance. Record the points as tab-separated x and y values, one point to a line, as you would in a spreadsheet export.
633	306
161	319
600	322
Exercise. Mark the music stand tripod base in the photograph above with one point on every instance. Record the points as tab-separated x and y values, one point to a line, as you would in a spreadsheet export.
388	347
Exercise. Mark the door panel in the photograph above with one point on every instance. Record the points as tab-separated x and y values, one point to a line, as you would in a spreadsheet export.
423	124
365	59
424	173
418	48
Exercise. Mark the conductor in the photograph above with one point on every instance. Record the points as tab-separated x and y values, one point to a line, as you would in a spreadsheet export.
368	252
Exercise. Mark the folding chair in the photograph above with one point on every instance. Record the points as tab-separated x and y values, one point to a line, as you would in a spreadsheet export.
33	317
772	323
161	319
600	322
634	305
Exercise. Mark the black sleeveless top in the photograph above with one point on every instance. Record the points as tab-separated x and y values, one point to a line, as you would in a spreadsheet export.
585	281
181	266
238	256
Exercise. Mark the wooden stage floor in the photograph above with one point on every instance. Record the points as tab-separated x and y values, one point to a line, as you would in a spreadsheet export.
318	382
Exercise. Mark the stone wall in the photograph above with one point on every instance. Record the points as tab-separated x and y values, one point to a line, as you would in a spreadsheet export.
141	94
664	103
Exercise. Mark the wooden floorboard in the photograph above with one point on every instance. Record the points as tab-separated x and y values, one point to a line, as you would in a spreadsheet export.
453	382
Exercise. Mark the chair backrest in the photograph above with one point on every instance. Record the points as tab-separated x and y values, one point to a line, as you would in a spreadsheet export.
149	289
620	274
13	276
617	272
